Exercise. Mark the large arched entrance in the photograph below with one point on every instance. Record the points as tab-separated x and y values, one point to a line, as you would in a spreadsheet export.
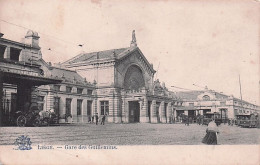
134	81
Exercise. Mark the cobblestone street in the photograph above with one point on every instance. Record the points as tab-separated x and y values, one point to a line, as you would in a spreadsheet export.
128	134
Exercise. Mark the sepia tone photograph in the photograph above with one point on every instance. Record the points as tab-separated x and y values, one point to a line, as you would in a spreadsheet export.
129	82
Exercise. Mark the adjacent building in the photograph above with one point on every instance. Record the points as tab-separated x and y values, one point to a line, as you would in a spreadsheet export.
203	101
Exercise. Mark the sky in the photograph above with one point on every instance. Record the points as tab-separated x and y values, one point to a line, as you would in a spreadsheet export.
207	43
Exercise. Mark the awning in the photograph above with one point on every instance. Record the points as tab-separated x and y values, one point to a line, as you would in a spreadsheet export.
14	78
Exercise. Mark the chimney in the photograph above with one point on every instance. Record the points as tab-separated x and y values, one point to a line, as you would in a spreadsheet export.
32	38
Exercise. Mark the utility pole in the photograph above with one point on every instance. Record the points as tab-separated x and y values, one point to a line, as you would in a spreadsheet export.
240	92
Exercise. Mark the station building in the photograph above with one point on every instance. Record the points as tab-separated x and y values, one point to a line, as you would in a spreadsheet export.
125	88
118	83
203	101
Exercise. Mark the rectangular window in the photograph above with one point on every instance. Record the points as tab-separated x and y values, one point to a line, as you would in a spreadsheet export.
104	107
79	90
40	101
56	88
14	54
68	106
89	92
68	89
79	107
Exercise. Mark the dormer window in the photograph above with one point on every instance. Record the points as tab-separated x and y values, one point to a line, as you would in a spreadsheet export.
14	54
79	90
68	89
89	92
56	88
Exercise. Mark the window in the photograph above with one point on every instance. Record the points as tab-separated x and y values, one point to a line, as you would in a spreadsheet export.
56	88
14	54
79	107
40	101
206	98
79	90
89	92
104	107
68	89
68	106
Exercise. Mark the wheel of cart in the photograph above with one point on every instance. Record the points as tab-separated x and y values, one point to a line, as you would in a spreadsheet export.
45	121
37	122
21	121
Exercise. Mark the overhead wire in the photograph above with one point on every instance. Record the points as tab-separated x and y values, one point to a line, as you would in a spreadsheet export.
53	37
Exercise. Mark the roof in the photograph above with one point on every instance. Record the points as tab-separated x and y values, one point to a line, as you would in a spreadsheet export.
106	54
190	95
66	74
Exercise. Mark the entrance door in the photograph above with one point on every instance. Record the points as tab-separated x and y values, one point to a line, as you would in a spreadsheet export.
68	106
89	109
134	111
149	110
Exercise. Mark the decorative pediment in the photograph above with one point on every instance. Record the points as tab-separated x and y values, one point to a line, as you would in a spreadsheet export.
136	56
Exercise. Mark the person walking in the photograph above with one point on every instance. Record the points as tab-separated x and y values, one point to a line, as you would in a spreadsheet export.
187	121
103	120
92	118
96	118
211	137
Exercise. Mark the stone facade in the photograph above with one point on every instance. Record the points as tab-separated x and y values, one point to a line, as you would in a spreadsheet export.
201	102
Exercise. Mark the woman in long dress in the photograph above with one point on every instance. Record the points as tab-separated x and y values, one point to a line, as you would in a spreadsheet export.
211	136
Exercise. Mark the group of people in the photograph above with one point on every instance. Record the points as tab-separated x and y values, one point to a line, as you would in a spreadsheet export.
95	119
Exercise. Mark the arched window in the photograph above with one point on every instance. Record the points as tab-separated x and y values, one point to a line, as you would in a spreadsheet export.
206	98
134	78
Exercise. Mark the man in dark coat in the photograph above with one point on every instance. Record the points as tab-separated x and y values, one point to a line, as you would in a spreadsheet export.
96	118
103	119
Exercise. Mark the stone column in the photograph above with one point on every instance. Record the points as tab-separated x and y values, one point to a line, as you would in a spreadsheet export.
144	111
126	112
174	112
162	112
50	100
123	110
74	111
110	117
117	108
153	112
169	112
